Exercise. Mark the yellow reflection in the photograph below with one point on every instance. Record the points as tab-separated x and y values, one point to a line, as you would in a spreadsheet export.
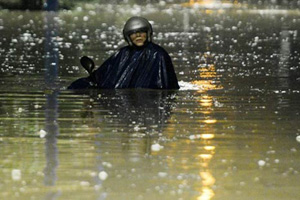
206	156
207	136
208	181
206	104
206	101
207	194
208	74
210	121
207	71
201	2
209	148
211	3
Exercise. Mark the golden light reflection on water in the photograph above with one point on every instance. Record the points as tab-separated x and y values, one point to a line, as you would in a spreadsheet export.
205	101
210	121
212	4
207	181
207	136
205	156
209	148
208	74
193	2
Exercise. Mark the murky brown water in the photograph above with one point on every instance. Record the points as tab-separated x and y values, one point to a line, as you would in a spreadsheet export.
229	133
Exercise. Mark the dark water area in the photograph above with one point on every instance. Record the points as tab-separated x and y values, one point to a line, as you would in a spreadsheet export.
231	131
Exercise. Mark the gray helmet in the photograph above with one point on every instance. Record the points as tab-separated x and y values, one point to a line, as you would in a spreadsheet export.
135	24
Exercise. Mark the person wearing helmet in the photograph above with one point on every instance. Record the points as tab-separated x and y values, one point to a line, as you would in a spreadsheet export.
140	64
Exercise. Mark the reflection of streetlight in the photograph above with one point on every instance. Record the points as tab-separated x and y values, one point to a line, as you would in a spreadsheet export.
206	101
208	74
207	136
205	156
209	148
210	121
212	4
202	2
207	180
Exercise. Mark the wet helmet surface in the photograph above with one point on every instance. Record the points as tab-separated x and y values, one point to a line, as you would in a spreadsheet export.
136	24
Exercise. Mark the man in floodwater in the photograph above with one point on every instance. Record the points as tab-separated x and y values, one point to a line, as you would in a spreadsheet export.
141	64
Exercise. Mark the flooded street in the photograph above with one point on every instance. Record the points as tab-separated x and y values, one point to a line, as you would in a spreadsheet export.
231	132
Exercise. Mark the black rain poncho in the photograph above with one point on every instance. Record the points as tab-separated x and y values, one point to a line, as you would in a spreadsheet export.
148	66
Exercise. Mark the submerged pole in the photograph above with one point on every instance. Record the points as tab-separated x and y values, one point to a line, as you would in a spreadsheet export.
51	53
51	5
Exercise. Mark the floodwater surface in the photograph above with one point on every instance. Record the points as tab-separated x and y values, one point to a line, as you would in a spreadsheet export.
231	131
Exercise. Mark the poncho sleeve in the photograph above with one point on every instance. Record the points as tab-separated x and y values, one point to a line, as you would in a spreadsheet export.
105	74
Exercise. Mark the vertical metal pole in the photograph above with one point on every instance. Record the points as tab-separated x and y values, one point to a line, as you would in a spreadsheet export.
52	5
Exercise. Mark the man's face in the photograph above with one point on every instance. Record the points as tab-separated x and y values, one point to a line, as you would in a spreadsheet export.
138	38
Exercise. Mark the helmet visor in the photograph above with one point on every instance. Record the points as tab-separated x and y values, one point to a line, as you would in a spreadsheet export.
140	30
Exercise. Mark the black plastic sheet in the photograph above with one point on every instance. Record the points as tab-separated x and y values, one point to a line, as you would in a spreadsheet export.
149	66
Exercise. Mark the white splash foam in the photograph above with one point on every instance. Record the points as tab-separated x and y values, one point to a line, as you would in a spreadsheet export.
188	86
